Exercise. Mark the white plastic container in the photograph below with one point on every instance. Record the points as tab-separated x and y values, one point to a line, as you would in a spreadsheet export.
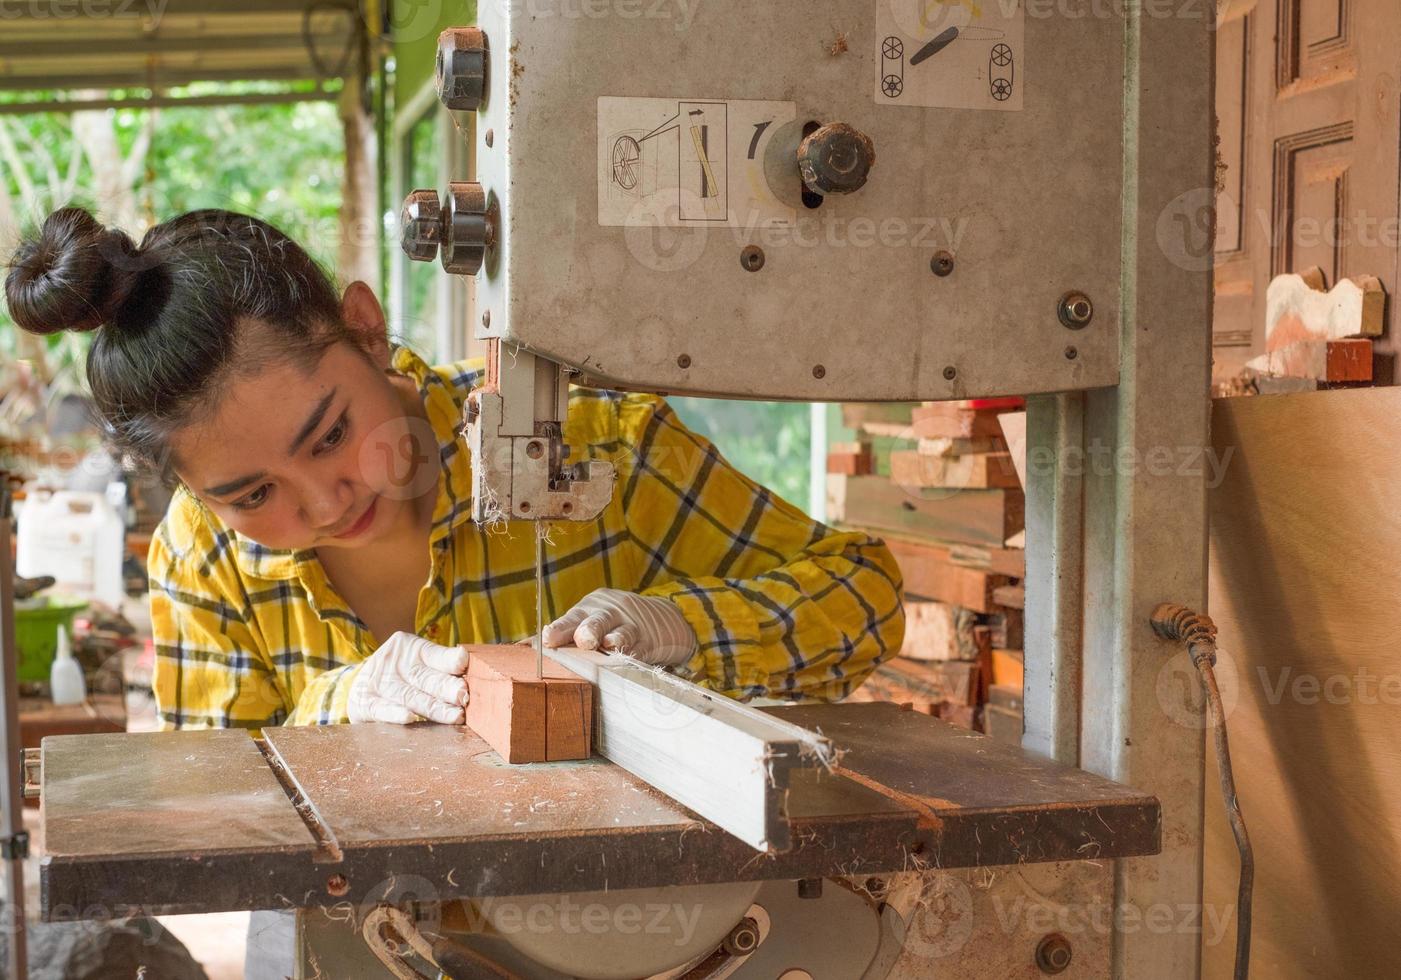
66	674
78	538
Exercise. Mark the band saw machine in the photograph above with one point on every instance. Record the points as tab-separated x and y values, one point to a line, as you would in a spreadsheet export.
798	201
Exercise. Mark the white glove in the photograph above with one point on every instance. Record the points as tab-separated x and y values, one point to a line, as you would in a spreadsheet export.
409	679
649	628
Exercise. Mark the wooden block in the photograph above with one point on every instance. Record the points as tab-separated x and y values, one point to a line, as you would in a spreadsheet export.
961	447
985	517
1004	561
877	417
851	461
929	574
1295	310
1007	626
964	716
936	682
1011	596
1318	360
949	420
980	471
1007	668
937	631
1014	431
525	718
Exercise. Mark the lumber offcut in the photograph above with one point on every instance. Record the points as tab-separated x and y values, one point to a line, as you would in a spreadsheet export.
987	517
525	718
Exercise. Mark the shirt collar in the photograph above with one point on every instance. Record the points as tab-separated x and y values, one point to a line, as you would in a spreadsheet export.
443	392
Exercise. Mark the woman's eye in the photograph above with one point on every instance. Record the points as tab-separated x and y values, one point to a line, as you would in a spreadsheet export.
254	499
335	436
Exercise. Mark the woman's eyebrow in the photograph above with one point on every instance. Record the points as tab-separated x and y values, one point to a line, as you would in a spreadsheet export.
313	422
224	489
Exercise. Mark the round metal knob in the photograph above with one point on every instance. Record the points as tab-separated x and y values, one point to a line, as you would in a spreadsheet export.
835	159
460	73
458	230
421	226
468	228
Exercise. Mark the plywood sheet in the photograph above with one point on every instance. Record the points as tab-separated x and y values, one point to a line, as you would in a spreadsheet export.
1304	582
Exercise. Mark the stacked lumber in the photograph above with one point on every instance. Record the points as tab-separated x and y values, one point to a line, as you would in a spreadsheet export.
940	485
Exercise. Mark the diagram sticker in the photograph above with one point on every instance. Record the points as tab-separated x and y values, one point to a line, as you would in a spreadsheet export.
688	162
957	54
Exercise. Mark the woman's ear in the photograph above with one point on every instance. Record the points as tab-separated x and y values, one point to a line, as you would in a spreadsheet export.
365	318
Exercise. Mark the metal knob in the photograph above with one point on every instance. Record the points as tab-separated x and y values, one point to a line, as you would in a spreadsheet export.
460	73
459	229
835	159
421	226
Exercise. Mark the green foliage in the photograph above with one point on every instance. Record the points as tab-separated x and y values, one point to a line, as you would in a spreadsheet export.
283	163
767	441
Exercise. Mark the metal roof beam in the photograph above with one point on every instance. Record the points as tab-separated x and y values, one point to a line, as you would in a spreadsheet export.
167	101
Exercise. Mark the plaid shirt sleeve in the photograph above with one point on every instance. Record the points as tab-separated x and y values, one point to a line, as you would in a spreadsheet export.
212	668
782	605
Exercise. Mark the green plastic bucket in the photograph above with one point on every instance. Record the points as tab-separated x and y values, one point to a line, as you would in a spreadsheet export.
36	633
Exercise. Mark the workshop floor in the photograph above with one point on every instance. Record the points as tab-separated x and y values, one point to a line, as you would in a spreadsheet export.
215	941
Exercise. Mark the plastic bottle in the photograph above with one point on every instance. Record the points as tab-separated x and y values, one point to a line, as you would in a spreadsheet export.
66	675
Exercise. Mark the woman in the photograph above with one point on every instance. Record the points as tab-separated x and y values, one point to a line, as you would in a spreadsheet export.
318	563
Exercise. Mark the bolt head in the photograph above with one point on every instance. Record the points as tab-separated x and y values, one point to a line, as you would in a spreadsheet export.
421	225
460	71
836	159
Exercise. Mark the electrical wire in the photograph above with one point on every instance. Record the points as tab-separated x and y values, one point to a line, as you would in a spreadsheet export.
1198	634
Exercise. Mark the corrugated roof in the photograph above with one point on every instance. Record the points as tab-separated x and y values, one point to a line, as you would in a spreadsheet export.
101	44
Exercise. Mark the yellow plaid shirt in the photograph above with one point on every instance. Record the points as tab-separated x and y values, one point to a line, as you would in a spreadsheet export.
781	605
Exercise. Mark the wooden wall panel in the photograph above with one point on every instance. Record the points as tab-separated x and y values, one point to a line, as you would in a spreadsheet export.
1303	586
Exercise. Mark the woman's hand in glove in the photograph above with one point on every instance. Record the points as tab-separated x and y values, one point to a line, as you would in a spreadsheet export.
409	679
649	628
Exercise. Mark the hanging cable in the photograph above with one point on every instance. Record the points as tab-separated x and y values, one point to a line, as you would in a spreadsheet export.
1198	634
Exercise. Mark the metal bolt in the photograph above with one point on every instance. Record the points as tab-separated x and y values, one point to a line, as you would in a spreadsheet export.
534	450
486	318
684	361
743	938
1071	353
835	159
875	885
751	258
490	137
337	885
941	264
524	506
1075	310
819	372
421	225
460	71
810	888
950	373
1053	953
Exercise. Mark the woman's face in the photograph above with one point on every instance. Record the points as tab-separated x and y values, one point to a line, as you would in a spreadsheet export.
319	456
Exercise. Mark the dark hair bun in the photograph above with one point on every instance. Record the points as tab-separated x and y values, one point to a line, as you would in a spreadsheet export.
76	275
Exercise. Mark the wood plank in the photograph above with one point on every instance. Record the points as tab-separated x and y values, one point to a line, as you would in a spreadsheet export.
1007	668
980	471
523	717
851	459
1303	573
986	517
726	761
938	631
1318	360
1011	596
950	420
928	574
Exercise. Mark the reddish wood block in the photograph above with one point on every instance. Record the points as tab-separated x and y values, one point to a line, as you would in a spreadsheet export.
950	420
527	718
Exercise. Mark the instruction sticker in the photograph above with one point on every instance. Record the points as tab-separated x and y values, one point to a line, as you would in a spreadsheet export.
688	162
957	54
